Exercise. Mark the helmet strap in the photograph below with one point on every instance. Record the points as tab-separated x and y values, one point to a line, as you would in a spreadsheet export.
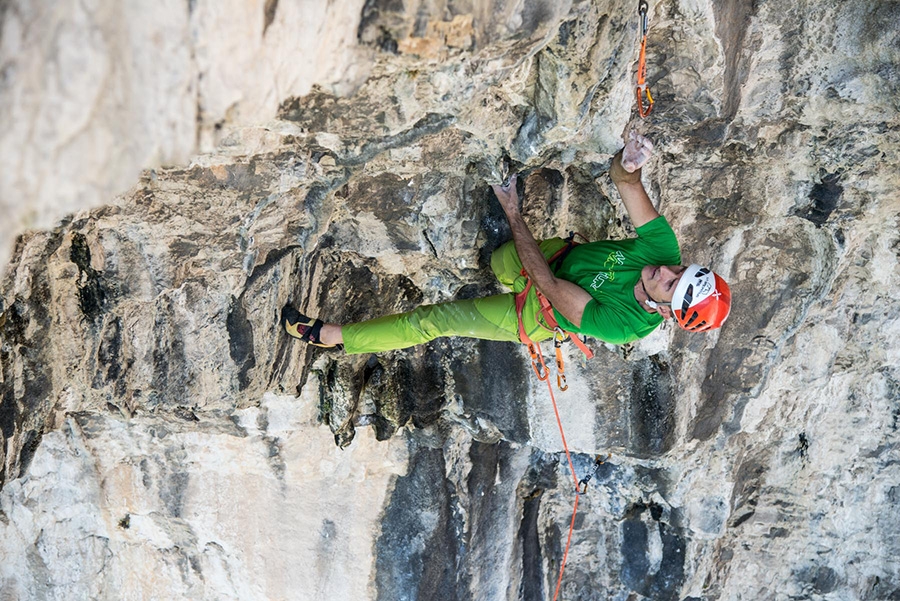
650	302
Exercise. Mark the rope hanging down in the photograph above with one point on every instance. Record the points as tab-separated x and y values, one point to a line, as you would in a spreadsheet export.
562	567
642	88
543	374
580	486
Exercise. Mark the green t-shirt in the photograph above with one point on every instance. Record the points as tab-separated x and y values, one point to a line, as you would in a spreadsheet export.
609	271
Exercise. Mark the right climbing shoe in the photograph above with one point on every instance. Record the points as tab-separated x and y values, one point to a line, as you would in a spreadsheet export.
302	327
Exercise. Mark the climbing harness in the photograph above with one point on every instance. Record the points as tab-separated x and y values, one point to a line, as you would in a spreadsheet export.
545	318
642	88
543	374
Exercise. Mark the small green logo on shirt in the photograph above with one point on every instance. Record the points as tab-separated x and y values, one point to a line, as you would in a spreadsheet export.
614	258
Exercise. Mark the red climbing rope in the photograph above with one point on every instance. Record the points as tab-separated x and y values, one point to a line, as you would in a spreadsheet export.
642	88
543	374
562	435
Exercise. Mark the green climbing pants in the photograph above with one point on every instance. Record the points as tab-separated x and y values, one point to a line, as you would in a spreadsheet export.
489	318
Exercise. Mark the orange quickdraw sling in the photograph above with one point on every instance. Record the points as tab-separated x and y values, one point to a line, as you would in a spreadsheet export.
642	88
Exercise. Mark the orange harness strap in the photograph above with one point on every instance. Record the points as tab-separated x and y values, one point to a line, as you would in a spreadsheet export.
550	323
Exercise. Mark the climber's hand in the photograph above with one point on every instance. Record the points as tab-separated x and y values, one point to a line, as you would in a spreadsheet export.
507	195
636	152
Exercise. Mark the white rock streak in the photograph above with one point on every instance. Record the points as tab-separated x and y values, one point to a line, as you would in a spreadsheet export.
150	509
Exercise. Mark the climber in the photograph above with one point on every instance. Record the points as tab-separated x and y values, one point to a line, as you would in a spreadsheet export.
614	290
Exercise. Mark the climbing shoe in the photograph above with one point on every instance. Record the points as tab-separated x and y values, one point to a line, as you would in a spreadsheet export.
302	327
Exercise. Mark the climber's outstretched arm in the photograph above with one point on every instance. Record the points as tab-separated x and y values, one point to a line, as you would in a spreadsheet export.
566	297
625	172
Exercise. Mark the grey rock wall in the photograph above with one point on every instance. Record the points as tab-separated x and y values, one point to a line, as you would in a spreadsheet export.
162	438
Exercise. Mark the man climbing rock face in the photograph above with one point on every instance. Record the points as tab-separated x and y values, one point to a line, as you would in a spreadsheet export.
614	290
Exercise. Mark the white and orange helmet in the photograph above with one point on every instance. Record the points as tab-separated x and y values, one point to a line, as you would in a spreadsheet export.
702	299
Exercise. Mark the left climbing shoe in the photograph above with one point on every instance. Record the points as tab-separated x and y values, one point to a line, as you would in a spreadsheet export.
302	327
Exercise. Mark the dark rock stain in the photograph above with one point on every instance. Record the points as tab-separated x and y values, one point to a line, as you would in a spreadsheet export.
491	379
716	391
109	361
91	294
379	24
565	32
272	260
269	11
710	131
146	479
541	476
325	548
494	225
9	409
635	563
825	197
802	445
665	583
183	249
29	446
25	332
194	562
431	123
422	390
653	407
534	14
736	368
393	200
174	488
169	376
745	495
240	341
405	567
732	19
820	579
532	586
316	195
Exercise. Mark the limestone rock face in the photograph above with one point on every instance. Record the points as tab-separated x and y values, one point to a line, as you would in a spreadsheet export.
163	438
93	92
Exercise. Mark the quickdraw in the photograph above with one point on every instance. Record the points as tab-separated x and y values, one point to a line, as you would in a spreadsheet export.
642	88
598	461
558	338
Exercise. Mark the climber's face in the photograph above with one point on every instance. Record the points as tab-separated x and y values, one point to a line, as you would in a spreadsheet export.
660	280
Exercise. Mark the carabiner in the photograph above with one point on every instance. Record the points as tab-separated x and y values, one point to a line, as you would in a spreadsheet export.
642	110
559	336
537	364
